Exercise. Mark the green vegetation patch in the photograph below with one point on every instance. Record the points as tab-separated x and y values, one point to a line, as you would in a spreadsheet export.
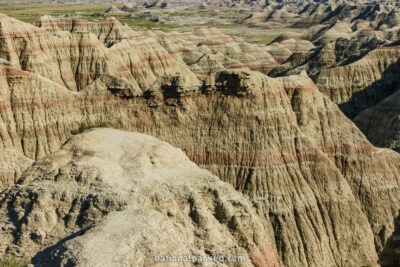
31	12
186	13
13	261
85	127
226	26
264	36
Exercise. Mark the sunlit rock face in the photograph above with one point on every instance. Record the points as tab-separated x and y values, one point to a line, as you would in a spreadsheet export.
318	193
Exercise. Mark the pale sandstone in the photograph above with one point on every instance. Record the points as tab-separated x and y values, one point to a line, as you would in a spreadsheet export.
132	197
12	165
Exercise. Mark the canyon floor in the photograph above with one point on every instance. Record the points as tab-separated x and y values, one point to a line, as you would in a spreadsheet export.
240	132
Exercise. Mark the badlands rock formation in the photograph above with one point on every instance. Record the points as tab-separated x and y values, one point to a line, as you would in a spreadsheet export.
303	14
356	68
12	165
381	123
139	57
391	254
363	83
349	48
323	194
118	198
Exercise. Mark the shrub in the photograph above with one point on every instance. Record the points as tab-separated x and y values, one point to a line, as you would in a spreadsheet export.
85	127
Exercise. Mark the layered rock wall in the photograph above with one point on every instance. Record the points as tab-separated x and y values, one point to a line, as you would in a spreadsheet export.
308	170
381	123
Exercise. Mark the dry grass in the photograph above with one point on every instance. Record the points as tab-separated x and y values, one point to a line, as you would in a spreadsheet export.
13	261
256	35
32	12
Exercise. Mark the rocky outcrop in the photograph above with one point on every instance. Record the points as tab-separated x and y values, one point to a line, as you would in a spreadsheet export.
363	83
339	29
112	48
116	86
227	51
355	73
12	165
381	123
354	61
37	114
340	52
305	14
391	254
75	58
308	171
279	52
258	160
86	192
231	52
